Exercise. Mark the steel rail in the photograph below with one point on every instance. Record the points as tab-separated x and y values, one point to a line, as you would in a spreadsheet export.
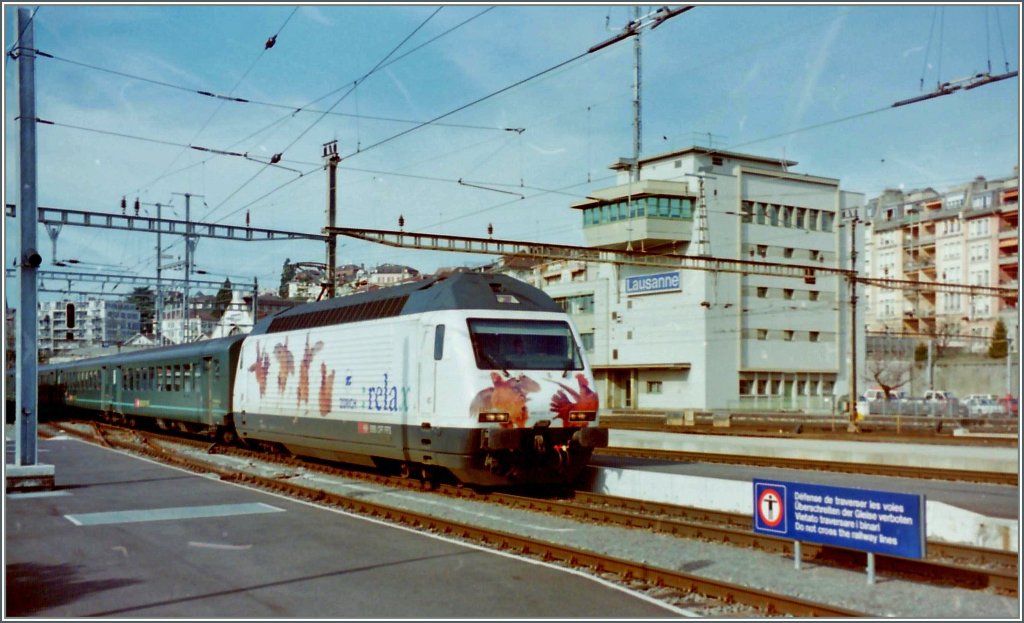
762	601
684	522
734	529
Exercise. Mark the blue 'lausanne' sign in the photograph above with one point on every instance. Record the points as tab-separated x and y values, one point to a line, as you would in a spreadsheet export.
650	284
875	521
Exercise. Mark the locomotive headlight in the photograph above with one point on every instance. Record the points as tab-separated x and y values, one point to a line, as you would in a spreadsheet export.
493	416
582	416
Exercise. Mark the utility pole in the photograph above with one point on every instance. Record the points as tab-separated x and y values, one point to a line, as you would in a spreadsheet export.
1011	338
637	133
852	426
704	243
158	302
652	20
190	246
331	159
26	473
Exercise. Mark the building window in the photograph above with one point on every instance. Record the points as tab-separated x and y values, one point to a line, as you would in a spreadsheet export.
762	334
762	292
787	252
814	336
788	335
762	250
588	341
653	387
813	295
787	294
826	221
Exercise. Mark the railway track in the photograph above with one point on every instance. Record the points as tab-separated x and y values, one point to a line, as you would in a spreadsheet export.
669	585
902	471
947	564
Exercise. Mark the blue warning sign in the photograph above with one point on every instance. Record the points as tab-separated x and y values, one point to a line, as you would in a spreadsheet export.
876	521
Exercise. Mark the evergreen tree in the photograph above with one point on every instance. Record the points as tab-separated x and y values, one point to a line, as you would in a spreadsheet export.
287	274
1000	345
145	301
222	300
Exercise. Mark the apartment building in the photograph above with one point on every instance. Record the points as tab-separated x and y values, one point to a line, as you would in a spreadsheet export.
968	234
96	323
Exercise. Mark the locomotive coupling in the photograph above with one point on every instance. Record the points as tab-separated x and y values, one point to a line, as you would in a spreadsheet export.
539	444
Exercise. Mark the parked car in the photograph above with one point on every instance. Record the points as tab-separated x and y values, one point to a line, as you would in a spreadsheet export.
873	395
942	402
1009	404
980	405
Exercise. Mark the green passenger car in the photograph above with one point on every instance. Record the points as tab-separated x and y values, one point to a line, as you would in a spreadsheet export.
184	387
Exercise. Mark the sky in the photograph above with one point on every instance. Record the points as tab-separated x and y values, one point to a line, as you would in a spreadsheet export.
813	84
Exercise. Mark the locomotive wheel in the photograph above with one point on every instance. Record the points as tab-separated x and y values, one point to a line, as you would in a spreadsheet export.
227	436
428	478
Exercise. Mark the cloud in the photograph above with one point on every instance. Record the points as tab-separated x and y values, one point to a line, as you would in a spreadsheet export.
317	15
913	50
546	152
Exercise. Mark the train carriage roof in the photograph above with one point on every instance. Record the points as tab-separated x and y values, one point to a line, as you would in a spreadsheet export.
193	350
482	291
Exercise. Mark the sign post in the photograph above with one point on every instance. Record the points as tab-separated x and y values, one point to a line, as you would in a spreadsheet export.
880	522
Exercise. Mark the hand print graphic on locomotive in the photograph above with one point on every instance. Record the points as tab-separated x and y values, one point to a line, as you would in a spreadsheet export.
476	375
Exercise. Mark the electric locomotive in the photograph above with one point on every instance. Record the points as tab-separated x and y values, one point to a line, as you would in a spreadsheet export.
475	375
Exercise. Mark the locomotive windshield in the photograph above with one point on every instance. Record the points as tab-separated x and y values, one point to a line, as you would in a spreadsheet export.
524	345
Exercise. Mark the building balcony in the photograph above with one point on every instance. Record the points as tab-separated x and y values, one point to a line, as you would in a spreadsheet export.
920	265
924	241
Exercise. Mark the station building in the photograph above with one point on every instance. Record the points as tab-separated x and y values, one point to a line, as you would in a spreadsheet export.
714	339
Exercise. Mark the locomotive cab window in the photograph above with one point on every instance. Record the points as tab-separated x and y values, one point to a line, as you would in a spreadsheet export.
524	345
439	342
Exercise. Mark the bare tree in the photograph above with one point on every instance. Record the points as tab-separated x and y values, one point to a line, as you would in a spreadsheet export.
942	335
887	370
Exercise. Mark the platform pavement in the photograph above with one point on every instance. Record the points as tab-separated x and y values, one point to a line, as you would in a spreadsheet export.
971	458
944	522
124	537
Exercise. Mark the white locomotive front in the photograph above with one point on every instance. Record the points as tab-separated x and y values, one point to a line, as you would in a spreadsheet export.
477	375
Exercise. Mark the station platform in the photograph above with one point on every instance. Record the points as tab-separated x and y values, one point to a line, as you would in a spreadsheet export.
933	456
124	537
949	517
